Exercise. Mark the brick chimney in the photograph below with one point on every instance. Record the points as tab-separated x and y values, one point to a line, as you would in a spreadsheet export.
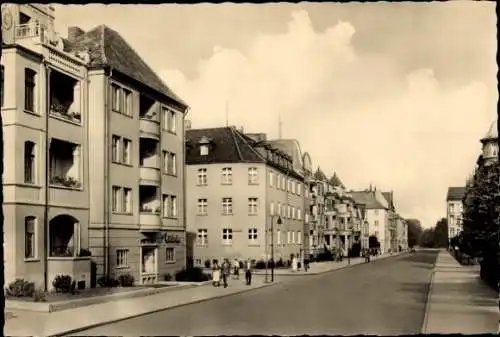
74	32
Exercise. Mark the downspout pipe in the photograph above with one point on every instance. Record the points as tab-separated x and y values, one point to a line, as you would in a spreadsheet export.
184	187
107	165
46	235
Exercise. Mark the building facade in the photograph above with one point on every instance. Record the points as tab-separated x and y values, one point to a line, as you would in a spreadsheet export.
85	151
454	209
490	145
244	198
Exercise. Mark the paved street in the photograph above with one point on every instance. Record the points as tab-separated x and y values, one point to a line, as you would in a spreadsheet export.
383	297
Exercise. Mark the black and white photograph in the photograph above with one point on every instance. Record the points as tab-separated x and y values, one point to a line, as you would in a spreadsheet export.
279	168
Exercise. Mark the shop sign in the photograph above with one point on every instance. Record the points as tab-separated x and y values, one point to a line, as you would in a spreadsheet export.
162	238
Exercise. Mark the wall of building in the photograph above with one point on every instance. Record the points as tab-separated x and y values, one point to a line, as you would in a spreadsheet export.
454	211
379	230
214	222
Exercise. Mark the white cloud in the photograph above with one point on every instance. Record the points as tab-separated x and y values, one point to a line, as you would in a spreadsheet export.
357	114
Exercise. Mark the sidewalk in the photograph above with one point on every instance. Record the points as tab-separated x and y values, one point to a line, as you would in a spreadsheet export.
25	323
324	267
458	301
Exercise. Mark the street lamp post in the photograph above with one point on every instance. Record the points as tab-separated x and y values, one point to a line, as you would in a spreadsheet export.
272	246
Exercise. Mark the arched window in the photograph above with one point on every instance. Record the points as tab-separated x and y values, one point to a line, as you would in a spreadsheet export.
29	237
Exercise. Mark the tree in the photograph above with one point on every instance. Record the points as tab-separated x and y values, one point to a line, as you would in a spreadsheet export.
436	237
414	231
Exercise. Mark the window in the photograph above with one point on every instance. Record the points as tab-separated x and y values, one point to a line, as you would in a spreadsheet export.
29	237
283	183
252	235
227	206
116	198
376	212
202	208
170	206
271	208
202	237
289	211
452	208
278	237
299	214
278	181
202	177
299	189
376	223
253	178
171	163
116	149
293	187
116	96
127	102
122	258
252	206
271	179
299	237
127	200
279	209
29	162
227	176
288	237
169	254
172	121
29	89
204	150
2	88
227	236
293	237
127	148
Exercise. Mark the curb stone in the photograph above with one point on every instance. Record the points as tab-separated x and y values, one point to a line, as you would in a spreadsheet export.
428	299
95	325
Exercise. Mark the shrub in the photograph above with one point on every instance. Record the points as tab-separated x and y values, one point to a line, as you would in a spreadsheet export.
280	263
126	280
63	283
167	277
207	263
260	264
20	288
194	274
39	296
271	264
107	281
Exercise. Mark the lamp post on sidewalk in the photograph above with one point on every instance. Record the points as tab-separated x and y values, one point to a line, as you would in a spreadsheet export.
279	222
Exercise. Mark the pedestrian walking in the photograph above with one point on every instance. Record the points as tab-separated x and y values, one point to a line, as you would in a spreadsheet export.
349	256
236	269
215	274
226	271
248	272
306	263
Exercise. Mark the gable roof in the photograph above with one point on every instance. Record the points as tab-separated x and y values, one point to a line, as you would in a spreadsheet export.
335	181
368	199
319	175
227	145
455	193
389	196
106	47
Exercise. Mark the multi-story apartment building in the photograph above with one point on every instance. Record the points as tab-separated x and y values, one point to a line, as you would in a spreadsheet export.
316	210
391	229
310	230
240	188
84	182
377	214
454	209
402	233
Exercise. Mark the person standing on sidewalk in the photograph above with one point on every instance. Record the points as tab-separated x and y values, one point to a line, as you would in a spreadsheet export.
349	256
216	274
248	272
236	269
226	271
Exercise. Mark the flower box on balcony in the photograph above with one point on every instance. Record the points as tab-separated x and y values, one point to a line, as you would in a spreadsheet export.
150	210
65	181
62	111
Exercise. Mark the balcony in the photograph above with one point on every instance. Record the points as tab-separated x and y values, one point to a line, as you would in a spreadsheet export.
76	267
149	128
149	221
149	161
64	170
149	123
65	97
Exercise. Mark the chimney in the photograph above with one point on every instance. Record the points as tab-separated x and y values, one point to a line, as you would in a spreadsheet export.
74	32
187	124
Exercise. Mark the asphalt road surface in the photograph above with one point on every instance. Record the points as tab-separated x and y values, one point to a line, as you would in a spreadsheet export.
382	297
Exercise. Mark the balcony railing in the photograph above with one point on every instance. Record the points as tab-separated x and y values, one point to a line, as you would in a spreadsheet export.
149	221
29	30
150	176
65	182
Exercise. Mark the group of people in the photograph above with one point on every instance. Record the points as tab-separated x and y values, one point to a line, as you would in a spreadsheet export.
223	272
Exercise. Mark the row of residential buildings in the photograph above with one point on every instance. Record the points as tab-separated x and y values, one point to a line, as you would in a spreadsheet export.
103	178
455	195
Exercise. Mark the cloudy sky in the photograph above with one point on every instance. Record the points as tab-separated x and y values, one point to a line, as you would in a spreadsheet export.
393	94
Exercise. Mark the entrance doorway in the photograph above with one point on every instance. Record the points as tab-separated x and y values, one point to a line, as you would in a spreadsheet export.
149	264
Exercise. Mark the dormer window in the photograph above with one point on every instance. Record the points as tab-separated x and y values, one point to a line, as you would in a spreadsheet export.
204	144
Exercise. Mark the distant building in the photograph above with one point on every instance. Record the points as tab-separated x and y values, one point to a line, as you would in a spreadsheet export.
377	214
454	209
238	187
391	230
490	145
